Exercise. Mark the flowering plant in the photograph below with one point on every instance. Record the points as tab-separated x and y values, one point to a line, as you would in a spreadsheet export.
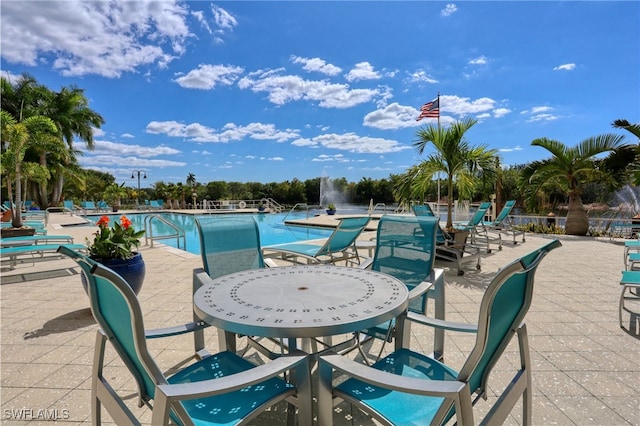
115	242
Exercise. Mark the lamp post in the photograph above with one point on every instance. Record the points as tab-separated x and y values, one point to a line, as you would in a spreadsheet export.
144	176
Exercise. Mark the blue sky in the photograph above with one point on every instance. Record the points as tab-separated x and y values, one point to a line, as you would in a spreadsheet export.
271	91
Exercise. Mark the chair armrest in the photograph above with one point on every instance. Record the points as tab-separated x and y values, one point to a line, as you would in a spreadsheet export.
176	330
366	264
442	388
269	263
205	388
446	325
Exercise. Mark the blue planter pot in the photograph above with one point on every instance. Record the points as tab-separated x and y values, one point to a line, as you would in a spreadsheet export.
331	212
132	270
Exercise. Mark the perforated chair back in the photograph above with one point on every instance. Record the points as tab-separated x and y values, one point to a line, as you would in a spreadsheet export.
506	211
115	308
406	250
502	309
423	210
478	216
229	245
344	235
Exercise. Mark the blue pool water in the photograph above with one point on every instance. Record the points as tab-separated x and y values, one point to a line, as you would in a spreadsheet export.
272	228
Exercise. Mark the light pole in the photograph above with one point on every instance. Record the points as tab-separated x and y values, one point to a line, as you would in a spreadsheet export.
144	176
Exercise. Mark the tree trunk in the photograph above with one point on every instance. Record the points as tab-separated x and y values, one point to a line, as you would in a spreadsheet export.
577	222
56	197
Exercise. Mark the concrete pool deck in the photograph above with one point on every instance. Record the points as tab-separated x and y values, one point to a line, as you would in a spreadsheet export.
585	367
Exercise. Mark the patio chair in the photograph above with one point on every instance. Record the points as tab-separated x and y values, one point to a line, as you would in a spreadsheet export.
340	246
501	224
630	281
228	245
474	226
68	206
88	206
13	252
407	387
219	389
406	250
154	205
103	206
451	248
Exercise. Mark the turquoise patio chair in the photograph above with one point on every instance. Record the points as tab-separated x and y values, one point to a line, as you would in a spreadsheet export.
451	249
406	250
340	246
220	389
501	224
228	245
154	205
474	225
409	388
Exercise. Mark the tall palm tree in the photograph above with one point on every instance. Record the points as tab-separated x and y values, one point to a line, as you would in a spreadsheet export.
453	156
191	180
19	135
570	167
68	109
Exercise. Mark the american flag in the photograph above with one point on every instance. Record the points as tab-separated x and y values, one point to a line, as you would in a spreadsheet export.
430	110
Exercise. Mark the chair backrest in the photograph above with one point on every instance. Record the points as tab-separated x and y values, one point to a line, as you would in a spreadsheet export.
406	250
345	235
229	245
478	216
506	211
423	210
68	204
502	309
117	312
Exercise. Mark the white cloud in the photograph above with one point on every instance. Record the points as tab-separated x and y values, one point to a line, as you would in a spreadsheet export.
362	71
393	116
286	88
103	38
224	20
337	158
517	148
108	148
480	60
317	65
565	67
207	76
126	135
542	117
449	9
501	112
463	106
230	132
421	77
352	143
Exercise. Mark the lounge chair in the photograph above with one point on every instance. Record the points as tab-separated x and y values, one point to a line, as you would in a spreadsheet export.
406	250
13	252
35	240
451	248
501	224
630	281
409	388
88	206
474	225
340	246
102	206
219	389
154	205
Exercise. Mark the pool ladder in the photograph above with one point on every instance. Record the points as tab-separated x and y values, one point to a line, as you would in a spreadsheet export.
177	234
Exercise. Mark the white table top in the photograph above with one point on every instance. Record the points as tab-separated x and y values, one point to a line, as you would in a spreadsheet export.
300	301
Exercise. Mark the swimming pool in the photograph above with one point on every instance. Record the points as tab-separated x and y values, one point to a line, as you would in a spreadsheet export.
272	228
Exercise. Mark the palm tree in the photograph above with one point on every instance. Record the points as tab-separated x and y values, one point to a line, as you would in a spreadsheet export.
191	180
453	156
19	135
570	167
69	111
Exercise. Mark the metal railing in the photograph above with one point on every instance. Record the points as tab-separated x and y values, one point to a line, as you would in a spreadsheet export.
178	234
306	207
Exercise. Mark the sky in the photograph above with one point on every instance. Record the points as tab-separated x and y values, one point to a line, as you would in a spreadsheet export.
270	91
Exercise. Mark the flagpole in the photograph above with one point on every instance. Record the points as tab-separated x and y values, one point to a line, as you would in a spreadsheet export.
438	209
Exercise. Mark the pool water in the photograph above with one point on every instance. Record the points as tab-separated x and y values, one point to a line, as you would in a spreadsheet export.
271	226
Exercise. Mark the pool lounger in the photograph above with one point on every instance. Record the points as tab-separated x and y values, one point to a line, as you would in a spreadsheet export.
35	240
13	252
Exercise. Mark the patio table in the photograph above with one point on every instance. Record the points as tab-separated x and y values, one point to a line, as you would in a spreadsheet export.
305	301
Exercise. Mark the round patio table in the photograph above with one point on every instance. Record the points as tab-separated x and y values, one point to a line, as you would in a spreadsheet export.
300	301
